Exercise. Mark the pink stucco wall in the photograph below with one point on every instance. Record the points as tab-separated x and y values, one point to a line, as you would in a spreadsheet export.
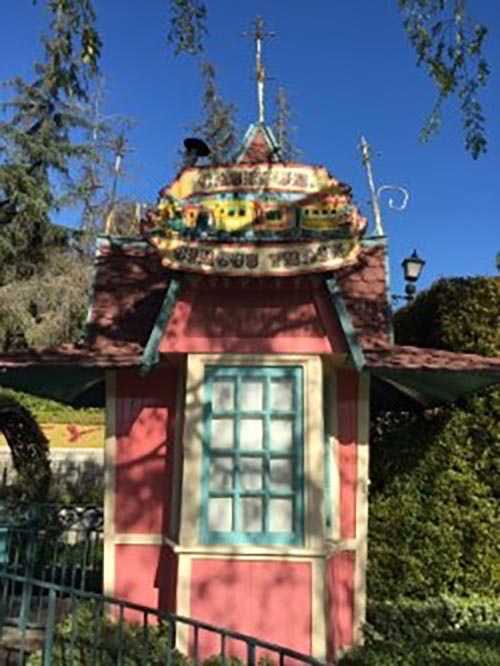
147	575
253	318
340	592
265	598
145	420
347	433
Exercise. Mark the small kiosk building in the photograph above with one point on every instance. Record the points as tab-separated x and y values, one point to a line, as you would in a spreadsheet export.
241	337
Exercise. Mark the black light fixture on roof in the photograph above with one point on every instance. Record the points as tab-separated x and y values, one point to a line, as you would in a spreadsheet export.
195	148
412	268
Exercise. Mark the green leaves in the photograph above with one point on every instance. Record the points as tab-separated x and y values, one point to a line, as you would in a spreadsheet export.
283	128
435	493
48	308
187	26
439	632
40	137
449	44
457	314
218	127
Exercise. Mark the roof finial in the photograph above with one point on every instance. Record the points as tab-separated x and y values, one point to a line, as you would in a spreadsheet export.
259	34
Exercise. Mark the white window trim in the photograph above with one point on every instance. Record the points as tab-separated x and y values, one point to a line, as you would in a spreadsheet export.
313	444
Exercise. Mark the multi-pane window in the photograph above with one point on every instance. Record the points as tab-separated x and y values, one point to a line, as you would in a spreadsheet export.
252	489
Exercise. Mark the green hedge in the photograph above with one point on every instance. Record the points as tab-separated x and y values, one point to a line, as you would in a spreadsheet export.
446	631
50	411
458	314
434	507
435	494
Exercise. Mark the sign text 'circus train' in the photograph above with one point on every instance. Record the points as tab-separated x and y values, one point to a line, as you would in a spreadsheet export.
255	219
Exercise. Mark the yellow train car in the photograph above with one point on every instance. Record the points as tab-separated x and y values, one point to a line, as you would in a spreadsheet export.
226	215
325	215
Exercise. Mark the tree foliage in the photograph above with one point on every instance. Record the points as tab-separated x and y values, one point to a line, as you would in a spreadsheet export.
38	142
50	307
435	493
449	43
438	632
100	171
29	448
218	127
187	26
458	314
283	128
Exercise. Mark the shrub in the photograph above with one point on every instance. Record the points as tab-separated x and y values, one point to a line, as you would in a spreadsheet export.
50	411
459	314
435	511
77	640
440	632
435	493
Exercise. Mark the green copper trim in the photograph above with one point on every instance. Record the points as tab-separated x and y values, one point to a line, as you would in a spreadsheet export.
437	386
373	241
121	241
328	497
249	135
151	354
346	323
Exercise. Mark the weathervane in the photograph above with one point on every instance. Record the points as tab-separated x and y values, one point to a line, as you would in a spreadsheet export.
259	34
366	153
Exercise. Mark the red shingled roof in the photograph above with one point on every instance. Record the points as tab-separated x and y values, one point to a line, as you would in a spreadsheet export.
411	358
130	285
72	355
129	288
364	290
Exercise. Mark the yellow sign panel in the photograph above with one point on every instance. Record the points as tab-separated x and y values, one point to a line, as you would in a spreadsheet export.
70	435
247	259
300	178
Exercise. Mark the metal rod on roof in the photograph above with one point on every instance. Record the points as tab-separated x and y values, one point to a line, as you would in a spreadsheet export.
366	158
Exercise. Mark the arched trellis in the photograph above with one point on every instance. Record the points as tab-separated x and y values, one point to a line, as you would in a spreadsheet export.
29	449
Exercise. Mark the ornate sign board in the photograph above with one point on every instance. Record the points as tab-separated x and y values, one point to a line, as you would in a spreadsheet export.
275	177
246	259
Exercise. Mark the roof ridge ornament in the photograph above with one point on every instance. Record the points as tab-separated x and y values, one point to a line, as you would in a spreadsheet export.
258	35
375	193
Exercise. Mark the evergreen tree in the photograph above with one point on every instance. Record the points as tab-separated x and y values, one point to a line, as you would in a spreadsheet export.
101	168
218	128
37	141
282	127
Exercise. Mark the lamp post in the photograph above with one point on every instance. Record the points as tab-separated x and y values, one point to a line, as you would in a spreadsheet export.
412	268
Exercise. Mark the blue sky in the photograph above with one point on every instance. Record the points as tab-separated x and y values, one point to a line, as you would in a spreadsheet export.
349	69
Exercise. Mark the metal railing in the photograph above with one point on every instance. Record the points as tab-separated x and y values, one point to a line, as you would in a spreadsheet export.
62	625
60	544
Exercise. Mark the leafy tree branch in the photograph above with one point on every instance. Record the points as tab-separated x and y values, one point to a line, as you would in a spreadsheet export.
449	43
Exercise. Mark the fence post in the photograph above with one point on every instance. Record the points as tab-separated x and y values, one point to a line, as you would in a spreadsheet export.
250	653
49	628
24	612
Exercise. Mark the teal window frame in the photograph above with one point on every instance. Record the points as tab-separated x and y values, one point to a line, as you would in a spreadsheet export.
237	374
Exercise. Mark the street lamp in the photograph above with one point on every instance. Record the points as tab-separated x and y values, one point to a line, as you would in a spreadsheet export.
412	267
